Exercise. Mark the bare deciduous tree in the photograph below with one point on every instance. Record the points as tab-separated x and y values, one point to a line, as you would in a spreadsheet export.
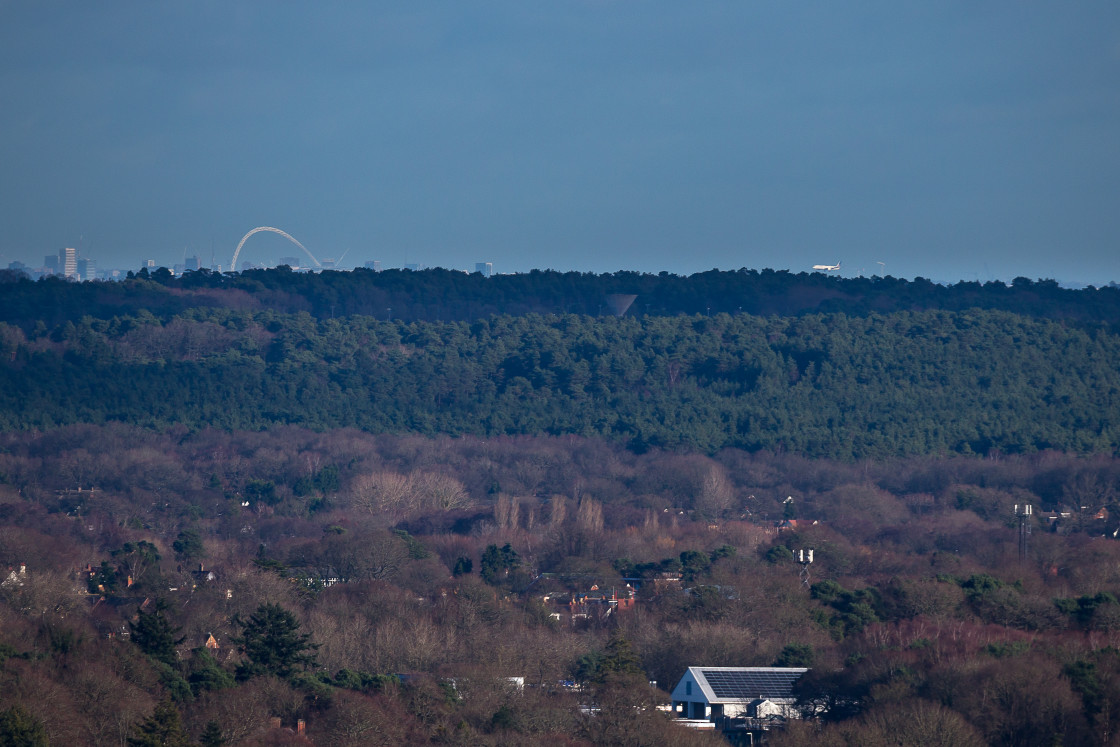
357	719
440	492
589	515
558	510
380	492
714	494
394	493
506	510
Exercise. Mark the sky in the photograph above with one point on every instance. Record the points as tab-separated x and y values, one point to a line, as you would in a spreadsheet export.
947	140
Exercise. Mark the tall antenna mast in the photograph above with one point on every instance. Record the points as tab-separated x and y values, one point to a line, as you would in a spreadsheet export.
1023	513
805	558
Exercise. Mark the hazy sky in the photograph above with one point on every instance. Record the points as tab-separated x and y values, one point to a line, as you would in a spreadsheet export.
951	140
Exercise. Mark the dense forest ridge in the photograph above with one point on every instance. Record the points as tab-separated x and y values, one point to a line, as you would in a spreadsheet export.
447	295
824	385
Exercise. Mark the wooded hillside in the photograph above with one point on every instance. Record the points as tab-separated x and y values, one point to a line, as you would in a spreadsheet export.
475	560
824	385
229	499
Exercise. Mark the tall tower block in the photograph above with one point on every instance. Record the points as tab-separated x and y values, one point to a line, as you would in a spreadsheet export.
68	262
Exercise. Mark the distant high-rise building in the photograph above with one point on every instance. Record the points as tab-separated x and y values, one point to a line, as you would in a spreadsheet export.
192	263
68	262
87	269
374	265
50	264
150	264
486	268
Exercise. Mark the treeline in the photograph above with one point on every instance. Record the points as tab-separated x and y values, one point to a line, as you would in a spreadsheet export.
443	295
821	385
453	555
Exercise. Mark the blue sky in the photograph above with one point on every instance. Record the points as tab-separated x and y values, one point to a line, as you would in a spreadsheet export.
949	140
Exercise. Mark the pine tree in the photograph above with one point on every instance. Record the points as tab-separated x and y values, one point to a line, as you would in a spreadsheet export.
207	674
212	735
497	564
189	545
20	729
618	657
164	728
155	635
271	641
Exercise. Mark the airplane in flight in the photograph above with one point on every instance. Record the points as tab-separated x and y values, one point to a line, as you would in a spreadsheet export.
827	268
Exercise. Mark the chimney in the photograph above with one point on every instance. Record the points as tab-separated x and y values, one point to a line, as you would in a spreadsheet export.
301	726
274	722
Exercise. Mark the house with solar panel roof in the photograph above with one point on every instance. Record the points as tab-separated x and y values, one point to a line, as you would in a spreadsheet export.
737	692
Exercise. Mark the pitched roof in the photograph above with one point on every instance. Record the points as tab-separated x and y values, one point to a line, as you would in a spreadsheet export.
738	684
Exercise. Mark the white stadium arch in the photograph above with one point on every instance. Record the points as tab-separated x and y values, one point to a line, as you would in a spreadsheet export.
258	229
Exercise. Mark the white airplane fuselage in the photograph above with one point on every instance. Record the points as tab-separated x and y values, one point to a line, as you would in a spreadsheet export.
827	268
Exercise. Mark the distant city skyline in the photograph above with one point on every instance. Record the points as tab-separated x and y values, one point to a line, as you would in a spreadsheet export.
275	256
949	141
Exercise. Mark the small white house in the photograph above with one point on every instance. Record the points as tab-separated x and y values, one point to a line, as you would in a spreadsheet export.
737	692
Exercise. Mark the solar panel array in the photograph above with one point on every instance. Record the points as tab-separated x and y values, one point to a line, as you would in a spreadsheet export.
752	683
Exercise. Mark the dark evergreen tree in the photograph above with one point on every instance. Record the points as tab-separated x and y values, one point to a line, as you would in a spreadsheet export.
693	564
138	561
795	655
164	728
778	554
271	641
188	546
497	563
207	674
463	566
155	634
18	728
618	658
212	735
